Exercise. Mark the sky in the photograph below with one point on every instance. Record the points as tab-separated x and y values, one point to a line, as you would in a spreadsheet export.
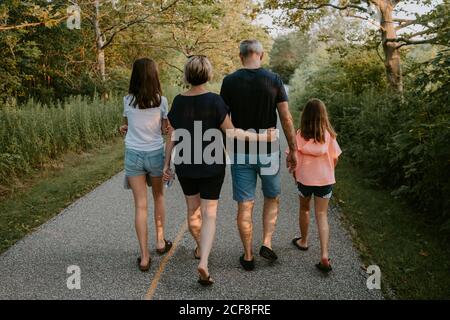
411	9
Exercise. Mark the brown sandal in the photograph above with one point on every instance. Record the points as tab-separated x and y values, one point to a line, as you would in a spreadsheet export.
206	282
324	268
144	268
295	243
168	245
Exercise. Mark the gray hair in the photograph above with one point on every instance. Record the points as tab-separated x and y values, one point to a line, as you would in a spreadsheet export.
249	47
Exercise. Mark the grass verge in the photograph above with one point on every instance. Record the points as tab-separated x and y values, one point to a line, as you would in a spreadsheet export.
414	261
50	190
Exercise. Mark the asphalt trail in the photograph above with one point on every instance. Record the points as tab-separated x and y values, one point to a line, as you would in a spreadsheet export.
97	234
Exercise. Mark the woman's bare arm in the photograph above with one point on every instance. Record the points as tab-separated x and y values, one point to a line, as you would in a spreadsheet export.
164	127
170	143
232	132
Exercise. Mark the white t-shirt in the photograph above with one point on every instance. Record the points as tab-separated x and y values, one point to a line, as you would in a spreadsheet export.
144	125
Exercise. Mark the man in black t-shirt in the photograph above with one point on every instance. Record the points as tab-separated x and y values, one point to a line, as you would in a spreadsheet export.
254	95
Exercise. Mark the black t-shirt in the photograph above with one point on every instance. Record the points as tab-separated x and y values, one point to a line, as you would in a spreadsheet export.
253	95
210	110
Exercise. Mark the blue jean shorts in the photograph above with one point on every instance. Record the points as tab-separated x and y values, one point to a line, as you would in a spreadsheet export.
141	163
245	173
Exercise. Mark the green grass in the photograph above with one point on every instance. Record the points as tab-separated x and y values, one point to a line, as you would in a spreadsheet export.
50	190
414	261
32	135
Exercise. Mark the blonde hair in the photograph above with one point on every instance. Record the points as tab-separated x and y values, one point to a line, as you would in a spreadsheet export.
198	70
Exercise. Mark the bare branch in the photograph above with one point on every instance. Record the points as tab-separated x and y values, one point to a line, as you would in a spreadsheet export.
347	6
407	42
173	66
32	24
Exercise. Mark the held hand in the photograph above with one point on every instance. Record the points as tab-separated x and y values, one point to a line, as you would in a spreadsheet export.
123	129
165	130
291	161
167	173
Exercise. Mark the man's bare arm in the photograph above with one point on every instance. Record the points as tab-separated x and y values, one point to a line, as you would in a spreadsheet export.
289	131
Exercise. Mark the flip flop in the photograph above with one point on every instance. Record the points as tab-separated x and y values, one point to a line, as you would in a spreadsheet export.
323	268
195	254
268	254
168	245
206	282
299	247
144	268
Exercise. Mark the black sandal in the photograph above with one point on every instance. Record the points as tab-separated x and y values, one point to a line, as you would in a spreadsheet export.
144	268
205	282
268	254
299	247
168	245
324	268
195	254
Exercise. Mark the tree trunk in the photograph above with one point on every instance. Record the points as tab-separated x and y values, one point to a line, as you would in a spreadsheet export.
101	64
392	59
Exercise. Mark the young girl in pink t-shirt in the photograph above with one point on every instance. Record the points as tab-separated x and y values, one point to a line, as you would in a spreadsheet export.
318	153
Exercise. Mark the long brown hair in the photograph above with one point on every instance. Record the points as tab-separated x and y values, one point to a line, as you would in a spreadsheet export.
315	122
145	86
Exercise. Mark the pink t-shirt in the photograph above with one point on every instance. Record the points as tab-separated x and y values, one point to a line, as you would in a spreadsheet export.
315	166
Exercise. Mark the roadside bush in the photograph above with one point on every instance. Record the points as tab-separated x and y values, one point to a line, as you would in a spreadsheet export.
401	143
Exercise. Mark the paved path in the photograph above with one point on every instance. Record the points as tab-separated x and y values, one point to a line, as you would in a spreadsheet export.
96	233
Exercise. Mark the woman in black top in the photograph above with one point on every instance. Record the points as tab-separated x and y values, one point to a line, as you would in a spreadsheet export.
197	119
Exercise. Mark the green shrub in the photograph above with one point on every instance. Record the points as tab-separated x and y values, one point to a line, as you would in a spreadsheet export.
401	143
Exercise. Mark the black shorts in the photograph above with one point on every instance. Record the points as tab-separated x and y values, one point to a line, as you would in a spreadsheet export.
208	188
321	192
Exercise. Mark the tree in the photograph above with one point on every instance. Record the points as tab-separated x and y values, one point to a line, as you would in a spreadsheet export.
288	52
212	28
32	14
44	59
111	18
380	13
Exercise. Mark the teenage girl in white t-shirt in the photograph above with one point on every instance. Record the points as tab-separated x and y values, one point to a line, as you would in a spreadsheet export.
145	113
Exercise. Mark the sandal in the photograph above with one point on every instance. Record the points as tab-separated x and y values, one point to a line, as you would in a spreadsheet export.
323	267
247	265
204	282
295	243
144	268
168	245
195	254
268	254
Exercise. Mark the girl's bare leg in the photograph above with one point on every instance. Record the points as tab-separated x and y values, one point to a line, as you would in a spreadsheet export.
139	187
304	221
160	210
321	211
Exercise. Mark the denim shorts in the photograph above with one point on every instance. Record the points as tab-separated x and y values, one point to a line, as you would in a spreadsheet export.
141	163
245	172
324	192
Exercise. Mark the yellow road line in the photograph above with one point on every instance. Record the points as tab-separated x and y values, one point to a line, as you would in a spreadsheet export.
154	285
